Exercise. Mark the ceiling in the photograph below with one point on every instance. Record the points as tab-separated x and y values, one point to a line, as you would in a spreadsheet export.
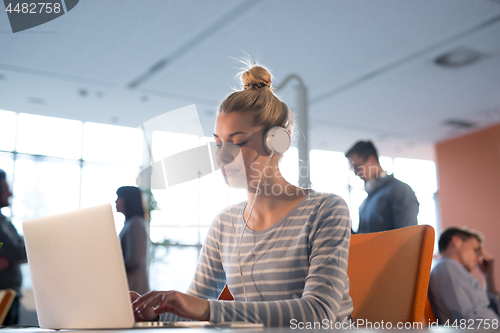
368	65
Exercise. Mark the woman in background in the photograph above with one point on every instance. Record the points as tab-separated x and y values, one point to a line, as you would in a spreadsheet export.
134	237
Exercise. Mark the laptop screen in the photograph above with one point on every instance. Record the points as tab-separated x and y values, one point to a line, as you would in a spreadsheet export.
77	270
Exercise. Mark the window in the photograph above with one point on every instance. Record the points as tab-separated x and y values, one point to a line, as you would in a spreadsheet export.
7	164
40	135
8	133
421	175
172	268
43	186
329	172
112	144
289	166
42	157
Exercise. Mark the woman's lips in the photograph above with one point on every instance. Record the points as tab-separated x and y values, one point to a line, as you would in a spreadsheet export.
229	172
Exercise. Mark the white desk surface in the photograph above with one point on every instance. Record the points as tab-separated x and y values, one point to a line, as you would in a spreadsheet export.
227	330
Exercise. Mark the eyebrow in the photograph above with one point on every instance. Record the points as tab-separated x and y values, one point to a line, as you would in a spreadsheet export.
231	135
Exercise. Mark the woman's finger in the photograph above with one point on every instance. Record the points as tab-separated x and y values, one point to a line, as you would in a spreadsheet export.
149	306
186	306
143	299
144	306
133	295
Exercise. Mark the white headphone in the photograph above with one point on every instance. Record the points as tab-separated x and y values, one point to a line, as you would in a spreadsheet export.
277	139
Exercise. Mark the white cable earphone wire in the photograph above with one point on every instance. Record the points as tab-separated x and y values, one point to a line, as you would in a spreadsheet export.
238	244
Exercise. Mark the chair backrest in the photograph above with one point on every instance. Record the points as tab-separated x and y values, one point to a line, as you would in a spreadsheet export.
6	298
429	317
389	274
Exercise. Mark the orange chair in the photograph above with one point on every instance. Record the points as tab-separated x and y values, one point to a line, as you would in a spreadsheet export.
389	274
6	298
429	317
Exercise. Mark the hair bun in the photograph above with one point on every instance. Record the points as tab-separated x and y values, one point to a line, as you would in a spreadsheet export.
256	77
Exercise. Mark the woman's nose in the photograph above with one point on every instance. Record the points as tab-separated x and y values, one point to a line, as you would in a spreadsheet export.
227	152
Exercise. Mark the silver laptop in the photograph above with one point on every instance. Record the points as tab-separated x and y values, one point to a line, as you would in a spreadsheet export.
78	273
77	270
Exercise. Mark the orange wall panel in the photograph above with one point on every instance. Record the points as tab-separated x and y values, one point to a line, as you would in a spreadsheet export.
469	186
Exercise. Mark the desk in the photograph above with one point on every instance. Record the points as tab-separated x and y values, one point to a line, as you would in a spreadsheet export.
228	330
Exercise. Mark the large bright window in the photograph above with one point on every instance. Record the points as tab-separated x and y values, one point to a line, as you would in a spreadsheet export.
112	144
329	172
422	177
48	136
8	132
289	166
44	186
48	174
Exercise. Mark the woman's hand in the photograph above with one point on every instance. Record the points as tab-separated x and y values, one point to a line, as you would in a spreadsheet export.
150	305
133	297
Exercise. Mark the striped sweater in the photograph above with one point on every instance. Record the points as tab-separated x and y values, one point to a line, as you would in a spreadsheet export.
294	270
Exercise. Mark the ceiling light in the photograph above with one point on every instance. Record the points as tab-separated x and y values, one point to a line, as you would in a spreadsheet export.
461	56
36	100
459	123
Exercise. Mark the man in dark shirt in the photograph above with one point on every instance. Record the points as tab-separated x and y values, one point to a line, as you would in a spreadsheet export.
390	203
12	254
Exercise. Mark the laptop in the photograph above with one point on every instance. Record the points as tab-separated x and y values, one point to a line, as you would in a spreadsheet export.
77	270
78	274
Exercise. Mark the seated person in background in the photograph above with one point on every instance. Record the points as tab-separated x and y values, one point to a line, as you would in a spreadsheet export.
453	292
283	253
390	203
134	237
12	254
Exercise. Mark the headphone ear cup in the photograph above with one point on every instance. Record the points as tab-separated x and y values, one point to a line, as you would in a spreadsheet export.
277	140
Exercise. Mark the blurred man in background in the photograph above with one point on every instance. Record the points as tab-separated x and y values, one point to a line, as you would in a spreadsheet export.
390	203
453	292
12	254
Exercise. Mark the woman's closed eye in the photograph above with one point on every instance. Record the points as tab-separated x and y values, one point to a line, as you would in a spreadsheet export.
219	144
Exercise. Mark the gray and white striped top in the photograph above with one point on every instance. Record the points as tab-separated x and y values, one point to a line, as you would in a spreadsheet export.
296	269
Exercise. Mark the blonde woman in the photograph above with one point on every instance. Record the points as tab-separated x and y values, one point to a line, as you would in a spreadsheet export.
283	253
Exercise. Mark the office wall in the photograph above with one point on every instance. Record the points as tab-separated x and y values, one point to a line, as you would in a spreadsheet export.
469	185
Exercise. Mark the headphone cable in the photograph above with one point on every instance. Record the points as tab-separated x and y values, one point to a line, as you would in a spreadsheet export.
238	244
